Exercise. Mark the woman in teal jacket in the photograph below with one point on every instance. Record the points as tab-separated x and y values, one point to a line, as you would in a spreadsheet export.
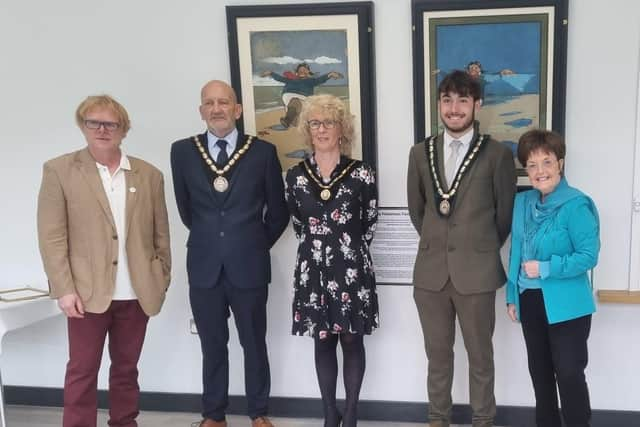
554	243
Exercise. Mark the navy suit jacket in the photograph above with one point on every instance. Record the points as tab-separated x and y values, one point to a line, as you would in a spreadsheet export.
233	230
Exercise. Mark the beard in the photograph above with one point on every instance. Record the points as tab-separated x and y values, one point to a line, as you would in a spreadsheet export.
465	125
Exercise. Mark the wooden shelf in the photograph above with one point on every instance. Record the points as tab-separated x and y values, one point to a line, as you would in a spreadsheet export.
619	297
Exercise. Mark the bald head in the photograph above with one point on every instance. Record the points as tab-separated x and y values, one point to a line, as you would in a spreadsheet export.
220	87
219	107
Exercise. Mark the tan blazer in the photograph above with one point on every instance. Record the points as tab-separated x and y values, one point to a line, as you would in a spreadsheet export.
466	245
78	238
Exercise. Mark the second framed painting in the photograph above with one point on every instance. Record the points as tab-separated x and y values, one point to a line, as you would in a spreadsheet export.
516	49
281	54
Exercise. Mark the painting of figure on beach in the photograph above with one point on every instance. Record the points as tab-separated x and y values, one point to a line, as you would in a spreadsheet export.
287	67
517	54
506	58
282	54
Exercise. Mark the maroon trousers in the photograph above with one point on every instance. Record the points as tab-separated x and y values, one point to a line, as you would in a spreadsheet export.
126	324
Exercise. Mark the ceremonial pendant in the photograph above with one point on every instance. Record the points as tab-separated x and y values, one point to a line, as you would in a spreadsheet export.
325	194
220	184
445	207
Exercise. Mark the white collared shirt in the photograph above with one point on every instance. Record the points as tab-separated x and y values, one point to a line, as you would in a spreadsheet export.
115	187
214	150
466	142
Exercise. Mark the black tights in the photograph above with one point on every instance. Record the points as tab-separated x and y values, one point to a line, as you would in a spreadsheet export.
353	371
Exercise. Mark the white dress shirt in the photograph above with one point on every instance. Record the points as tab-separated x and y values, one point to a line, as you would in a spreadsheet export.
466	142
115	187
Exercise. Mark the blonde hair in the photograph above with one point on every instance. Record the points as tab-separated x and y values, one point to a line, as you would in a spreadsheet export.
333	108
103	102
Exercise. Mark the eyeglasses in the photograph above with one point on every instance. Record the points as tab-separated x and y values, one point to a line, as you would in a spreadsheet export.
328	124
544	165
95	124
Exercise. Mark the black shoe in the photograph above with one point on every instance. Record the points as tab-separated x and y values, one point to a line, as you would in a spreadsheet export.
333	420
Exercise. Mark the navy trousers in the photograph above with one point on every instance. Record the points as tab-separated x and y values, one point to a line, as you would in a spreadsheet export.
211	309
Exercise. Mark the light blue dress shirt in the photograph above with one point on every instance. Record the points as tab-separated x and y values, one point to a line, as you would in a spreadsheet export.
214	150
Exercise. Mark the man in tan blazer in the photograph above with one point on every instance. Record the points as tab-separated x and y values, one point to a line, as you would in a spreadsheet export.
104	241
461	187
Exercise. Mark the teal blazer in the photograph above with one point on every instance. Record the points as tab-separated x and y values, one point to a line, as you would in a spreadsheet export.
567	251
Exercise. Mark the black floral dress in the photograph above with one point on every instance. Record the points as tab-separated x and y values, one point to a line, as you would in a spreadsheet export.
334	282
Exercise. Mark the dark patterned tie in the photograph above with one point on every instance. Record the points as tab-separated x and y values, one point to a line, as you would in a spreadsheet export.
223	157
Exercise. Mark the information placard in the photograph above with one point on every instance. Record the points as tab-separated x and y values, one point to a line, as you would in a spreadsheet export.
394	247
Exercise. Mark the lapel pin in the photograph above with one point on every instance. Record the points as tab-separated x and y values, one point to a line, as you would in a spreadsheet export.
132	189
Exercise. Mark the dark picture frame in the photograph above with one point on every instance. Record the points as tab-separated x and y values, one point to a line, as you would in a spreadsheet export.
334	40
520	46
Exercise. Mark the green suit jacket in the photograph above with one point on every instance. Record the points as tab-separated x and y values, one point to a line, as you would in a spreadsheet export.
464	246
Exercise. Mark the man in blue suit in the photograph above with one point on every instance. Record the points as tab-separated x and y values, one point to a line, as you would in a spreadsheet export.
230	196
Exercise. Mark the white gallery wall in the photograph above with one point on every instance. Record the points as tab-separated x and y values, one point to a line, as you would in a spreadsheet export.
154	56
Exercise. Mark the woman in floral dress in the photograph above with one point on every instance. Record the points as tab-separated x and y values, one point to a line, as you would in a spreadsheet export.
333	203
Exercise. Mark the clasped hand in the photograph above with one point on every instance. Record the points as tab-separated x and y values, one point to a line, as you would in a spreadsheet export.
531	269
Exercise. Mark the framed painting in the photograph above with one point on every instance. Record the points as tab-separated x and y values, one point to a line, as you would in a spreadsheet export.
516	49
281	54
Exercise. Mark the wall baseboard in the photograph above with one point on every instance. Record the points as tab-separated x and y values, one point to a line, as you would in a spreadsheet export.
295	407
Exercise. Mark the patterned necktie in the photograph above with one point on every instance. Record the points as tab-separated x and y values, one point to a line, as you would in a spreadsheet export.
223	157
450	167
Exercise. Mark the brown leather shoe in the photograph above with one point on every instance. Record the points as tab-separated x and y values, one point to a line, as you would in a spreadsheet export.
261	422
208	422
